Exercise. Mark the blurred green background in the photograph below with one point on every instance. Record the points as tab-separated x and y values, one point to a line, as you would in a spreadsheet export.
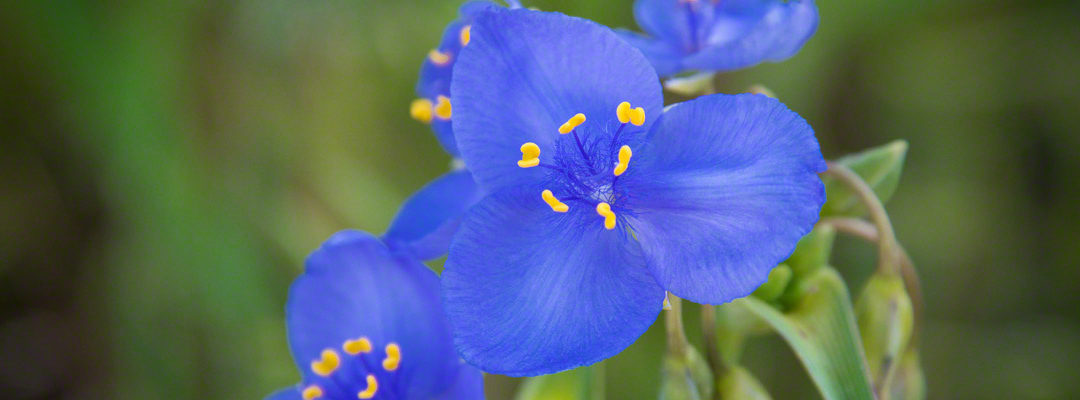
165	166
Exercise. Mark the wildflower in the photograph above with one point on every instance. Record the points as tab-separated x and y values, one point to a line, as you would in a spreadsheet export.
433	105
427	221
366	323
720	35
601	200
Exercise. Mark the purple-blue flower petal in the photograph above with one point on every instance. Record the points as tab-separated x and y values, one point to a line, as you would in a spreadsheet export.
289	393
530	291
468	385
722	192
525	73
779	33
355	287
427	221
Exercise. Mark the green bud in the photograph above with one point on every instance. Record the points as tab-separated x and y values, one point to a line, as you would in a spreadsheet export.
779	278
693	85
909	383
583	383
686	377
812	252
885	317
739	384
761	89
880	167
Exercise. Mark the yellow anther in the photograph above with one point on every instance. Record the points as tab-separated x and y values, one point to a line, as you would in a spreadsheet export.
357	346
604	209
624	160
623	112
530	155
572	123
393	357
328	364
438	58
312	392
372	387
443	109
637	116
555	204
422	110
466	35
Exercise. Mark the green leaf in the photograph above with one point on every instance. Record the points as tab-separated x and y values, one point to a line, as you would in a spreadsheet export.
778	280
812	252
585	383
880	167
820	327
738	383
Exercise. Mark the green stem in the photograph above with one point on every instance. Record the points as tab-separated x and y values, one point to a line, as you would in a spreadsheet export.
708	334
887	254
676	333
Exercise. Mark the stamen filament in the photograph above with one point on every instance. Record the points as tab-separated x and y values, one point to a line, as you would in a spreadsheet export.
554	202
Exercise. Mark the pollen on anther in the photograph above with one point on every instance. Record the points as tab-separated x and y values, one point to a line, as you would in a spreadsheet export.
393	357
372	387
312	392
438	58
623	112
422	110
530	155
624	160
553	202
466	35
637	116
443	109
327	364
604	209
572	123
357	346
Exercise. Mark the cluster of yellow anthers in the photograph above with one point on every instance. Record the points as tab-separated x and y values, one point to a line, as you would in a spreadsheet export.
424	110
530	157
330	361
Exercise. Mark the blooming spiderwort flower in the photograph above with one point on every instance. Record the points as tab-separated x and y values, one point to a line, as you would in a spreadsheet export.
427	221
364	322
433	105
720	35
601	200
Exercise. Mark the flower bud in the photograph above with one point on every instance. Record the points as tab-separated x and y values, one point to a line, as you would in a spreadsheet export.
686	377
778	280
908	383
885	317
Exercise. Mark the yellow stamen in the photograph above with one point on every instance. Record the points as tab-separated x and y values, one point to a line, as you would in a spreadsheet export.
530	155
372	387
438	58
466	35
637	116
555	204
572	123
328	364
623	112
624	160
443	109
421	110
312	392
604	209
354	347
393	357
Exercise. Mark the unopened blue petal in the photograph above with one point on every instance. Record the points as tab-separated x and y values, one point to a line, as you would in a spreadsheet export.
353	287
468	385
721	193
530	291
525	73
289	393
780	30
427	221
665	57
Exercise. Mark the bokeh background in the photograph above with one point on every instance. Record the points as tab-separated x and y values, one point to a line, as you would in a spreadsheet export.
165	166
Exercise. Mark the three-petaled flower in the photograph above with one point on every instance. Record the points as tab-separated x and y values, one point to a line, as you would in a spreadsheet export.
720	35
365	323
601	199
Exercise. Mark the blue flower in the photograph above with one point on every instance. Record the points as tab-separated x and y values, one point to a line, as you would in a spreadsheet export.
364	322
433	104
601	200
428	220
720	35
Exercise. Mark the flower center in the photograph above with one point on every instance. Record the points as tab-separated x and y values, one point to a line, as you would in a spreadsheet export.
358	379
586	167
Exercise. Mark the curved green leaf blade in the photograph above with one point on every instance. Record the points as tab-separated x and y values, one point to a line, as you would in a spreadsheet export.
880	167
585	383
820	327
